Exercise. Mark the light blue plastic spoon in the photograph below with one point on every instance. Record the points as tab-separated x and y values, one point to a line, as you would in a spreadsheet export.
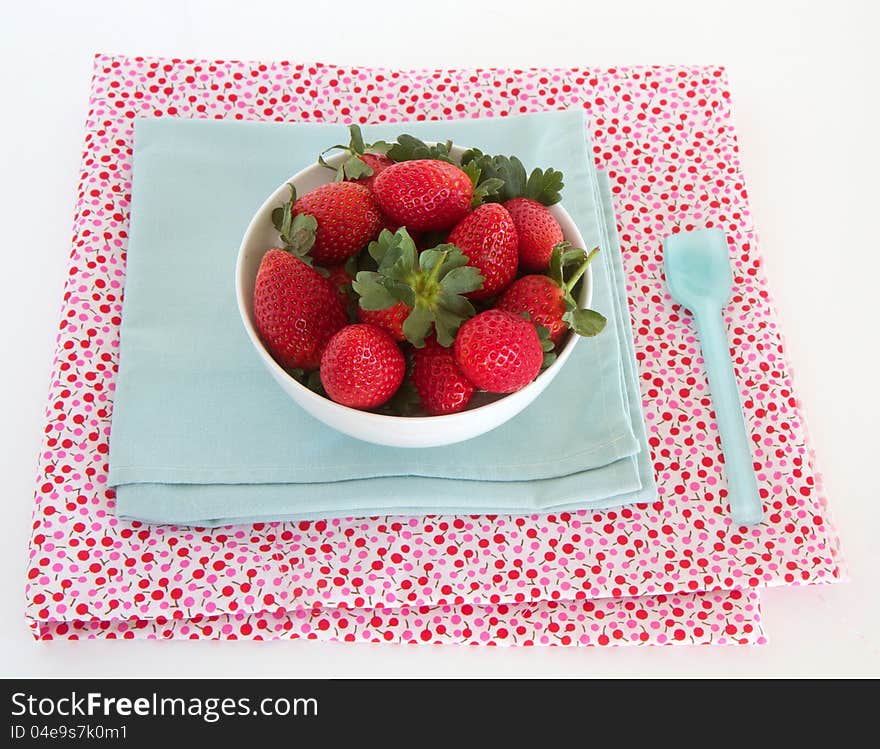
698	275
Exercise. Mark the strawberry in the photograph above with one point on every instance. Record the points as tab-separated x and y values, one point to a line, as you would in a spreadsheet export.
416	236
296	310
347	219
441	386
390	320
498	351
548	300
363	161
340	276
525	196
538	231
488	238
430	285
387	223
424	194
377	163
362	367
542	298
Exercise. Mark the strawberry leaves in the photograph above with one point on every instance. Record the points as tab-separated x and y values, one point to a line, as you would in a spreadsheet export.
297	232
312	380
431	284
373	292
483	189
584	322
542	185
547	346
354	167
410	148
564	255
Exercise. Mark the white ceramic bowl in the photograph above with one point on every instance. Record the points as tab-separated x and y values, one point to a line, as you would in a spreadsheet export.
484	414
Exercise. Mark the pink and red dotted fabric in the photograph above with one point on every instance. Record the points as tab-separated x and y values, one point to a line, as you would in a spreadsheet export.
673	571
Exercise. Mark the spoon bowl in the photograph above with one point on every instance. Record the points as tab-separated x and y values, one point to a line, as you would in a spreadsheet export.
698	268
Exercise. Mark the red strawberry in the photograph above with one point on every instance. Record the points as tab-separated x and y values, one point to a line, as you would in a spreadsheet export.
362	367
418	291
548	300
538	231
390	319
393	226
488	237
442	388
348	218
424	194
499	352
296	310
339	276
542	298
387	223
375	161
359	165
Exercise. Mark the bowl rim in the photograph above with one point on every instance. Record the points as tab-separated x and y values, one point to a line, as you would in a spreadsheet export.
265	210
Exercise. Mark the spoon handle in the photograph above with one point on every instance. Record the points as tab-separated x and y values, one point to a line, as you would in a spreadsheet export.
745	502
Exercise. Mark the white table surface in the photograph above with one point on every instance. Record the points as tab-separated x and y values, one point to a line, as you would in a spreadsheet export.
807	115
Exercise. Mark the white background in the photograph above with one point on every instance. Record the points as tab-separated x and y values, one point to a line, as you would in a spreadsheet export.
804	83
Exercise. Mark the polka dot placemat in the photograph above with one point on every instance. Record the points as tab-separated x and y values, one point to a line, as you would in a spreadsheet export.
673	571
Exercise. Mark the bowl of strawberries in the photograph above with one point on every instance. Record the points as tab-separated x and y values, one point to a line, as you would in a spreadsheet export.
415	294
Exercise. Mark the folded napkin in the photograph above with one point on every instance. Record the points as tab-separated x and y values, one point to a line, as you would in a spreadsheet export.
202	435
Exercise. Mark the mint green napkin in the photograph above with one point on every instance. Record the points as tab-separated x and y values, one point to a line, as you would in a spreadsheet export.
202	435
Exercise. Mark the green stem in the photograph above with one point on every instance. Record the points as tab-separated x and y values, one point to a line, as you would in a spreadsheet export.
581	269
426	285
435	271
